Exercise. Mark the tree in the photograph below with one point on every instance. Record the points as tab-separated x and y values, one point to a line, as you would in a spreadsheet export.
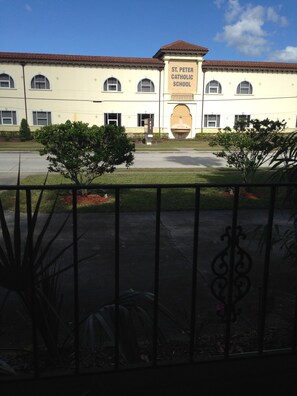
246	148
24	132
82	153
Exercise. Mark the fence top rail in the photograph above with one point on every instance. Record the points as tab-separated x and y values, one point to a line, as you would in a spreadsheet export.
76	187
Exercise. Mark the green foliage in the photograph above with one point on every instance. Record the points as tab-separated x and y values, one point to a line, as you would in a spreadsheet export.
6	135
24	132
247	148
82	153
285	158
204	137
27	263
284	161
139	137
136	321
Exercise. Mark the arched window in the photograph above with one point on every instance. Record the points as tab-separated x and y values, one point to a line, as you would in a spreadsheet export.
244	88
146	85
40	82
6	81
213	87
112	84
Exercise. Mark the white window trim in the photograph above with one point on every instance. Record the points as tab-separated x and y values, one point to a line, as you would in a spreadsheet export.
216	121
218	88
118	119
45	82
150	84
11	117
117	84
140	118
10	79
42	118
250	88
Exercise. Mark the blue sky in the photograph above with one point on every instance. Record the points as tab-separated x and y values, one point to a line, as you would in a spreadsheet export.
262	30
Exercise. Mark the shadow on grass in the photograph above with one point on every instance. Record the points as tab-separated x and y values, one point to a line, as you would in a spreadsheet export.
144	199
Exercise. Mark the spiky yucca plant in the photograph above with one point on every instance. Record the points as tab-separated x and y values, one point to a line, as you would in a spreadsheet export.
28	268
284	162
136	325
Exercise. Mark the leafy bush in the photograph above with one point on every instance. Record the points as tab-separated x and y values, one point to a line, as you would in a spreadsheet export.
82	153
204	137
24	132
247	148
9	135
140	137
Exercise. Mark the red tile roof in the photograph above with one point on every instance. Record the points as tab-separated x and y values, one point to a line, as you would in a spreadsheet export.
243	65
183	47
155	62
13	57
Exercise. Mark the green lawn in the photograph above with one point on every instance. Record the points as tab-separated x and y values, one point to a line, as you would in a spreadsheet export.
144	199
167	145
175	145
12	145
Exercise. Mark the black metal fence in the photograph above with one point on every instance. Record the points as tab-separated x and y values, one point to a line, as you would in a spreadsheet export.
208	283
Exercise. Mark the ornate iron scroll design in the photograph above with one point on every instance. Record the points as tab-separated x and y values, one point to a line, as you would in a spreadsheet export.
240	281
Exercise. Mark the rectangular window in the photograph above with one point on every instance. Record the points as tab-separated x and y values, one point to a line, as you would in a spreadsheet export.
212	121
245	119
213	89
113	119
4	81
142	117
42	118
112	87
8	117
4	84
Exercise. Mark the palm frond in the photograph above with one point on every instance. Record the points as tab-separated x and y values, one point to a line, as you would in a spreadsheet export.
22	253
136	323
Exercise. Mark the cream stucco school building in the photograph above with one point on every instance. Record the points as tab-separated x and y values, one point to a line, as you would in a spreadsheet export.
182	92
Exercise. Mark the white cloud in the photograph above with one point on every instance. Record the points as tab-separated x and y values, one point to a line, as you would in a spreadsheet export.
234	10
246	27
289	54
219	3
273	16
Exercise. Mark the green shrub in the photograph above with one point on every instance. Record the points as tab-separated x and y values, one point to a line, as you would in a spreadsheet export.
9	135
82	153
24	132
140	137
204	137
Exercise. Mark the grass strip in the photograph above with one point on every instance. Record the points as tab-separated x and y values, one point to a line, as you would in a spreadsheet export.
170	145
144	199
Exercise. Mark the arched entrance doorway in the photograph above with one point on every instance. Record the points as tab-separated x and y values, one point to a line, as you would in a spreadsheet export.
181	121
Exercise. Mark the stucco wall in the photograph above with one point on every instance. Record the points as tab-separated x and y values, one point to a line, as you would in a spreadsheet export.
77	93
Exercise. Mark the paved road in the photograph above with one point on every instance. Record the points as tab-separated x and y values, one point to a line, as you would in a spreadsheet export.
33	163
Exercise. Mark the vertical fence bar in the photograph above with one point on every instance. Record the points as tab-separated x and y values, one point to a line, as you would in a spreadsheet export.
33	295
156	277
117	278
231	273
75	275
294	335
264	293
194	275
